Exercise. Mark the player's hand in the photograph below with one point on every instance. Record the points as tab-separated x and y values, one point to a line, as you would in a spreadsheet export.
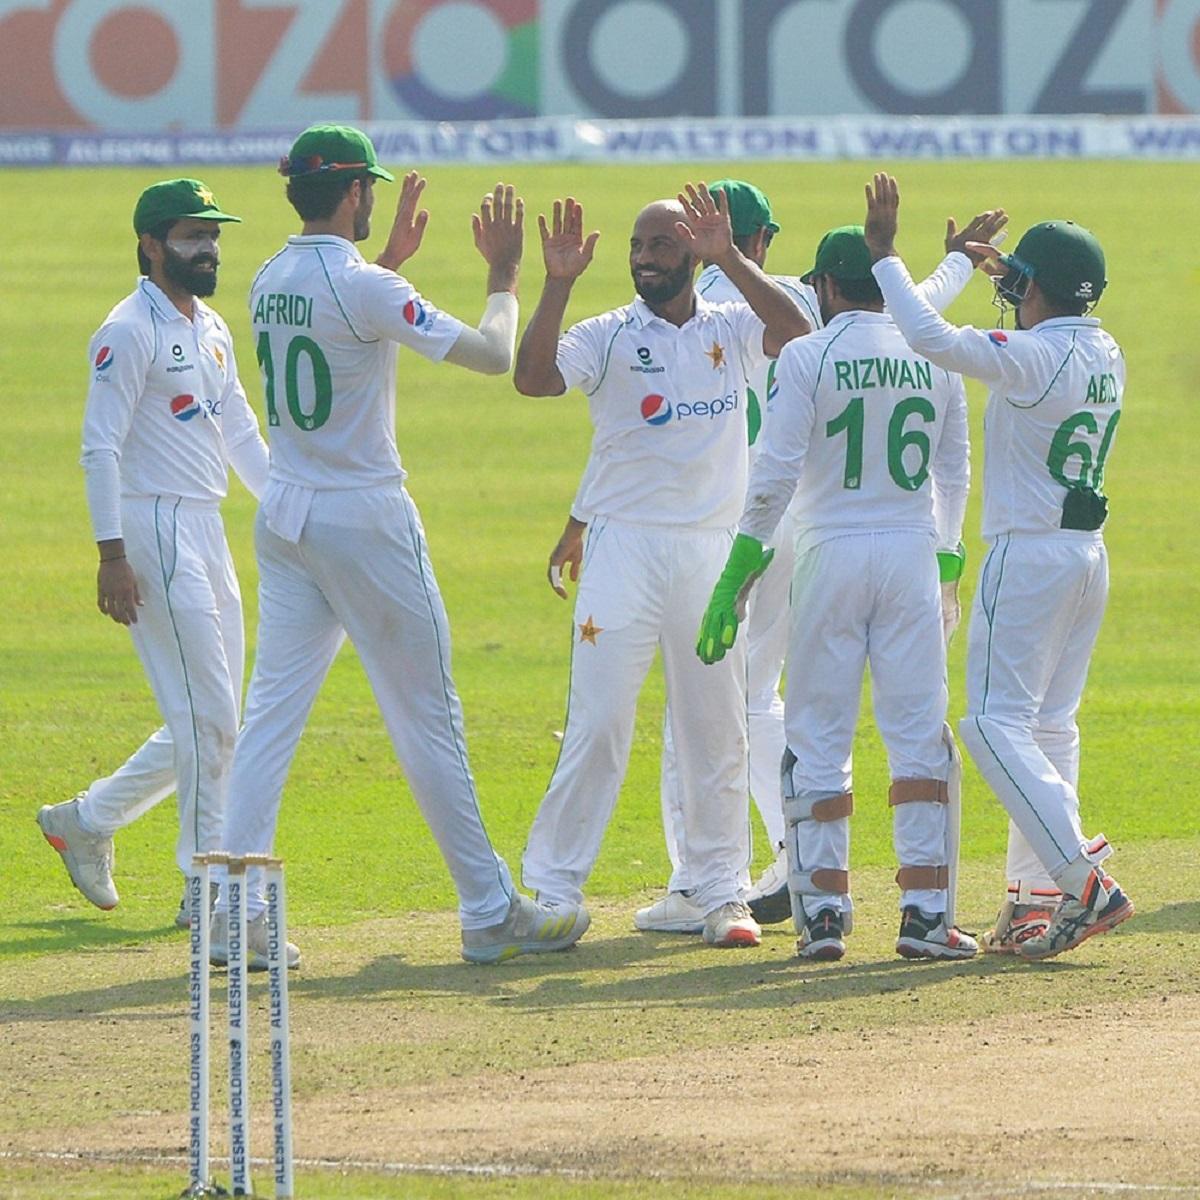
980	230
408	226
568	553
748	559
986	256
499	229
883	220
705	229
565	251
951	610
117	591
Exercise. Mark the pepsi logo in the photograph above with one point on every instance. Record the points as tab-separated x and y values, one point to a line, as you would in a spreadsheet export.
104	358
414	313
998	338
656	410
184	408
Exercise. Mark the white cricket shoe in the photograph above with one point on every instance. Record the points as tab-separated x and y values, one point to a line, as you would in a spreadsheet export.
530	928
256	943
1015	924
732	925
768	898
674	913
88	857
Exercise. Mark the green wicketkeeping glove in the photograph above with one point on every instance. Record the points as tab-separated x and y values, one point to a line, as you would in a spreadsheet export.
951	563
718	628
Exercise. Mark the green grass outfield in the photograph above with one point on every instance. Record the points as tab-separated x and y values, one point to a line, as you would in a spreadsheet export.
493	474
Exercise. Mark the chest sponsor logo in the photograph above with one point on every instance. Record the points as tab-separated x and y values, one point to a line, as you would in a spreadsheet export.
415	314
184	408
645	364
998	338
104	358
658	410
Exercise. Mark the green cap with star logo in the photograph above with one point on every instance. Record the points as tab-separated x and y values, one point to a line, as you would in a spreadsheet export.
174	199
323	148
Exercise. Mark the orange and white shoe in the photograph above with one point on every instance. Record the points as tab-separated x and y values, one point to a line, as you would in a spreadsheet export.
1102	907
1017	923
88	857
732	925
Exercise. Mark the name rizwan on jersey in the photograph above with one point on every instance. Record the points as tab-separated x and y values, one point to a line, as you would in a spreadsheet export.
281	308
855	374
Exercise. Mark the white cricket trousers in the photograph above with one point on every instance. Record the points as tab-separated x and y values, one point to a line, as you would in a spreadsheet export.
361	568
870	598
1034	622
190	640
766	634
644	588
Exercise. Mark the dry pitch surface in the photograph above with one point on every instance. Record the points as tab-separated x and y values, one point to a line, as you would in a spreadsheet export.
649	1057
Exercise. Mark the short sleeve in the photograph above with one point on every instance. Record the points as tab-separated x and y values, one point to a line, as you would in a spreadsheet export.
581	354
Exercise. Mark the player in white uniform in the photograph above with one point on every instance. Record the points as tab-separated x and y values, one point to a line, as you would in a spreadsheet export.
869	443
164	417
666	381
340	546
1057	383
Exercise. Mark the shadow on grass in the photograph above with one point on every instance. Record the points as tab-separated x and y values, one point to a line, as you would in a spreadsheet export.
64	934
1183	917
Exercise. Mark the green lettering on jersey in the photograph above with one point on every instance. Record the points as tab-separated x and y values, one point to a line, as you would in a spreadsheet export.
866	373
841	372
887	371
924	374
1102	389
259	315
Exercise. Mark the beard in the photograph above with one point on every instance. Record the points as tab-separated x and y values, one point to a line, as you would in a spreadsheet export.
362	224
667	286
197	276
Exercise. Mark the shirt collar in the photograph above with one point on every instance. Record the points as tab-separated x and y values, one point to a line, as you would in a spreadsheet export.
326	239
1058	322
858	314
162	305
644	315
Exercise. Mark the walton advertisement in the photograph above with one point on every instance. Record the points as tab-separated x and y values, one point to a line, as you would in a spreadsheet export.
243	65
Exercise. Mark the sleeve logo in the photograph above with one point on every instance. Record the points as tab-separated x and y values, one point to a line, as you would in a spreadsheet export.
414	314
104	358
998	338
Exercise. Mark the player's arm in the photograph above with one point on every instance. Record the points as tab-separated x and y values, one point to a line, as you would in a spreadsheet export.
244	445
120	359
706	230
1013	361
499	229
945	283
773	480
566	254
950	473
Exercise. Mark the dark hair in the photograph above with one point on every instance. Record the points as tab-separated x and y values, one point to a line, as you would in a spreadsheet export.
159	233
742	240
1066	306
860	291
316	197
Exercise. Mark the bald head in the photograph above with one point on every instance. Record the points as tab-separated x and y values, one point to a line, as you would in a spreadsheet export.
659	260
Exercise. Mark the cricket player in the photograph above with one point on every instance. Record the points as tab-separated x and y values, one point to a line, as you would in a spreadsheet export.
165	416
340	546
1057	383
869	442
666	379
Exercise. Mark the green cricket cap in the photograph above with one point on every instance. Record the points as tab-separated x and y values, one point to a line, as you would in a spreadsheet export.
749	209
322	148
1064	260
174	199
842	253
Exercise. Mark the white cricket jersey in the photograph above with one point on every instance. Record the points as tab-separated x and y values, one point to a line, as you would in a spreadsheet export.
326	326
1055	402
165	400
716	287
866	436
668	405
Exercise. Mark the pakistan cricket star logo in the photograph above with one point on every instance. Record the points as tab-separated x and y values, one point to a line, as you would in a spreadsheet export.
717	354
588	631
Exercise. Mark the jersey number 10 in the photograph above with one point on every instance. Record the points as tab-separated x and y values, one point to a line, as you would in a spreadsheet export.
322	384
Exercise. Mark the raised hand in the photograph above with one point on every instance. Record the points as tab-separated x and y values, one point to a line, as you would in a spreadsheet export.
705	229
499	227
979	231
882	222
408	226
565	251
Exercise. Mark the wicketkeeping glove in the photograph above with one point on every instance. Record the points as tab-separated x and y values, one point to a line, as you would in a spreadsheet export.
727	607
